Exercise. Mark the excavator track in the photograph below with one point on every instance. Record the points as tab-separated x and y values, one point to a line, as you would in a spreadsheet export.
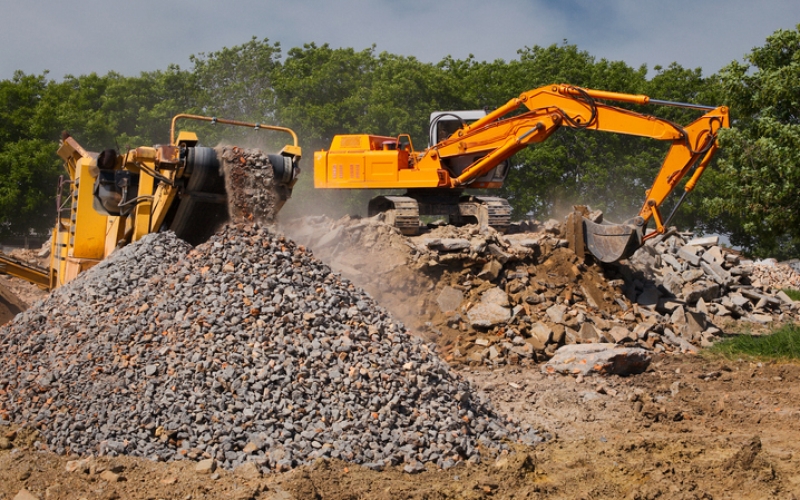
403	212
488	210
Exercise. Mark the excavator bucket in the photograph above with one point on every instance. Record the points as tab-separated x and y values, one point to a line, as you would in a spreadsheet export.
613	242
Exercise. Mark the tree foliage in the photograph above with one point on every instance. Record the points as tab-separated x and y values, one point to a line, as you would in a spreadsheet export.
759	183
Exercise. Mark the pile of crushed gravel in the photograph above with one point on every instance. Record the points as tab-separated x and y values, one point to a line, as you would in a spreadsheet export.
245	348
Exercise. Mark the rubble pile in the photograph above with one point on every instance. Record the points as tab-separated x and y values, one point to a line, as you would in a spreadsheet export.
243	349
516	298
705	278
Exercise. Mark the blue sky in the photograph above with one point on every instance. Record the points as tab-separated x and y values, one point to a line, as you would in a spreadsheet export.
84	36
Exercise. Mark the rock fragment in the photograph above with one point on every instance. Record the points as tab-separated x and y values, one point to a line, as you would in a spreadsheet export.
582	359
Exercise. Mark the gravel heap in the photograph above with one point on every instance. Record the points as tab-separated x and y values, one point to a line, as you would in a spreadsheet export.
245	348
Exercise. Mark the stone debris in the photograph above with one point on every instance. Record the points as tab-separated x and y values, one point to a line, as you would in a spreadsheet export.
243	349
518	297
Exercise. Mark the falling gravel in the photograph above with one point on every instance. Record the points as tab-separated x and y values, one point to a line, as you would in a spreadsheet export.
245	348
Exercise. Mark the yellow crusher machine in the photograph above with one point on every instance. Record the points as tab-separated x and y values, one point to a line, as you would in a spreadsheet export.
117	199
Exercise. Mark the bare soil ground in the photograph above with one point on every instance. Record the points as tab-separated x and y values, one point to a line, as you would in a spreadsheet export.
690	427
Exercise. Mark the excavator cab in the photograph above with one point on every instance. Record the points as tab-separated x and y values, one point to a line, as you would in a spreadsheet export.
444	124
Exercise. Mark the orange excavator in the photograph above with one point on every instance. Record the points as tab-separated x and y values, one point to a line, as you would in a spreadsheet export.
476	155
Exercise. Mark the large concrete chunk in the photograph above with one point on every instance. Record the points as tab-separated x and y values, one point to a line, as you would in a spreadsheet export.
449	299
582	359
488	315
707	241
556	313
493	309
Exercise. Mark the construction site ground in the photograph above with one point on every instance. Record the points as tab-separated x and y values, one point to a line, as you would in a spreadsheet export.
691	426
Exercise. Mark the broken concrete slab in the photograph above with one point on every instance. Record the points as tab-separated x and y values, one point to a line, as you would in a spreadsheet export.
694	325
556	313
620	334
750	294
588	333
448	244
542	333
692	275
491	270
707	241
682	344
713	255
672	261
582	359
487	315
689	254
760	318
785	298
642	329
692	292
716	272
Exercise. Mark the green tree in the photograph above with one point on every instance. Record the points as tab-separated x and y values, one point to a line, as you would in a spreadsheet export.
759	180
236	82
323	91
27	192
28	172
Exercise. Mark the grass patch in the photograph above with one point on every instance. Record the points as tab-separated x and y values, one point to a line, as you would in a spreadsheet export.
793	294
783	343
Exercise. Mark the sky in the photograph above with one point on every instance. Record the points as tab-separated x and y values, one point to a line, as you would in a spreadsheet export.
83	36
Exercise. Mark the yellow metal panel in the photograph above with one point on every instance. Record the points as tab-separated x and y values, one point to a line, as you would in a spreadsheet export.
88	236
418	178
141	220
76	266
360	142
114	233
58	258
381	168
162	201
345	170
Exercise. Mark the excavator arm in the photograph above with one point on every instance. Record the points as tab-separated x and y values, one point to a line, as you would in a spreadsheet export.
549	108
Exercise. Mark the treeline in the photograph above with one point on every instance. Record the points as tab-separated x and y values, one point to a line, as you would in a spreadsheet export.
749	193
